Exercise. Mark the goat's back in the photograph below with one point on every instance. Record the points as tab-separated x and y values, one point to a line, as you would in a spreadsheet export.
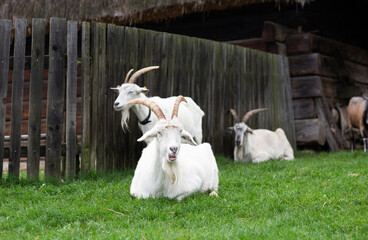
273	143
356	108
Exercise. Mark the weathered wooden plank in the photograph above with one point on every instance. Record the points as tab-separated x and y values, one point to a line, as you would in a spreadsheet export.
120	74
304	87
55	97
304	108
112	58
356	72
262	45
5	34
86	161
285	114
276	32
71	99
322	115
310	132
17	94
35	98
304	43
98	93
314	63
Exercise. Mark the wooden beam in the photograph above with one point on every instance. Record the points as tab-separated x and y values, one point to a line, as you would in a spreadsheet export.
260	44
305	87
310	132
304	43
274	32
304	108
313	64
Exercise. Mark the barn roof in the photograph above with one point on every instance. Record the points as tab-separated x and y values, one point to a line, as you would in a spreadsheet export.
121	11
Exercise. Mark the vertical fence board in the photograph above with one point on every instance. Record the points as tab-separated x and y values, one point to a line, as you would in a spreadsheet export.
98	94
86	163
120	72
17	95
55	97
71	99
5	33
112	59
35	98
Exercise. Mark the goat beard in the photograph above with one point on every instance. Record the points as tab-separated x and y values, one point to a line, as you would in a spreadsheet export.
124	119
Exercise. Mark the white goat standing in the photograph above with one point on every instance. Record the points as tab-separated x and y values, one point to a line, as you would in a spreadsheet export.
261	144
167	167
190	114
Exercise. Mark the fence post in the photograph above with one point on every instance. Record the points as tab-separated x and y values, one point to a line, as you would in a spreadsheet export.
35	98
17	96
86	163
71	99
55	97
5	33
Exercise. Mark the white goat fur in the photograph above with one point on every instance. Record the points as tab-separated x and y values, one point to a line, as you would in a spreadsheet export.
190	114
193	169
261	144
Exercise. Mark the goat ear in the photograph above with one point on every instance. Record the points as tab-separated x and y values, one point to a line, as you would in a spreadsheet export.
143	90
249	130
186	137
229	130
115	89
148	135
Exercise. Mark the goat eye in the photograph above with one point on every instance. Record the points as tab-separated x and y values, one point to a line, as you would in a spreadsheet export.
130	92
159	133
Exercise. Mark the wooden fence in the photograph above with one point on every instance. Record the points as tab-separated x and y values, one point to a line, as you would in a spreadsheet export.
216	75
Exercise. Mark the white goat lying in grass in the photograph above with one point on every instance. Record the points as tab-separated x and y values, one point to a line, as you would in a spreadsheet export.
167	167
261	144
190	114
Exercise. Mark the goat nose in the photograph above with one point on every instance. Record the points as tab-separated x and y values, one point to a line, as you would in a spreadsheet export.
174	149
237	142
116	104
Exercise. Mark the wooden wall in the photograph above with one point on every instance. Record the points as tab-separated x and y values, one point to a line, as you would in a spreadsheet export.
324	73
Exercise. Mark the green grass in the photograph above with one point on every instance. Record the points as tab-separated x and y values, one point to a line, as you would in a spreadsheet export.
317	196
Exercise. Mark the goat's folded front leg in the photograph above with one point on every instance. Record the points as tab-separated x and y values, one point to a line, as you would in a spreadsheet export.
261	158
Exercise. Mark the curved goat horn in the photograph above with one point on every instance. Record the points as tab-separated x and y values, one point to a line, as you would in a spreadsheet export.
150	104
178	100
127	76
140	72
252	112
235	115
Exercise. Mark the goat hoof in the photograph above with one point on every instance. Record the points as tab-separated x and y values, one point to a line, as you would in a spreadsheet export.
213	194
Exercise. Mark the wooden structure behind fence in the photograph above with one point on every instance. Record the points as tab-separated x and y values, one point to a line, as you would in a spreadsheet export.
217	76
